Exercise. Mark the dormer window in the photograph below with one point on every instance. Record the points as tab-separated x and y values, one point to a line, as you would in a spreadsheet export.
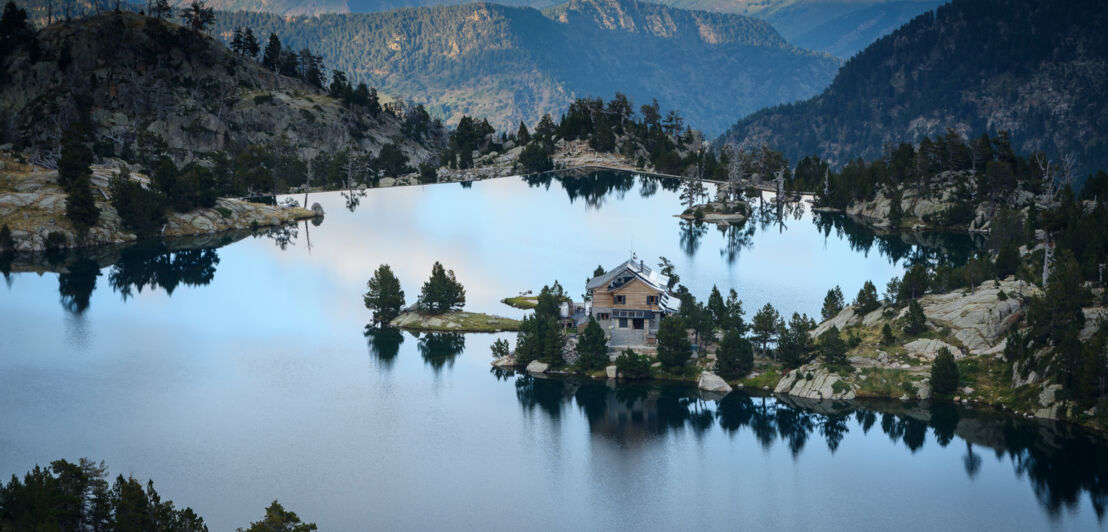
620	300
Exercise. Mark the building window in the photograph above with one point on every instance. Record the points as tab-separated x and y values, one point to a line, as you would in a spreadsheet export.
623	323
604	316
621	300
650	300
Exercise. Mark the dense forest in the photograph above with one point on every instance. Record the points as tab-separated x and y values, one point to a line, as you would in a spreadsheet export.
969	65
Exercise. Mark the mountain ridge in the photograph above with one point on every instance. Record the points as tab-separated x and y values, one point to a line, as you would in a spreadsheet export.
961	67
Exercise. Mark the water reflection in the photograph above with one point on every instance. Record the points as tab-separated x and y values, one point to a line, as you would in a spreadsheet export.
1061	462
440	349
384	344
75	285
929	248
768	212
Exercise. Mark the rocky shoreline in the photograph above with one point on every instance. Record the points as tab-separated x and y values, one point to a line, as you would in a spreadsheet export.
972	324
32	205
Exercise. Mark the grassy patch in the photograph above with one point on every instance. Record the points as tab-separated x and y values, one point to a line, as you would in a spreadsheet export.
880	382
768	378
521	302
456	321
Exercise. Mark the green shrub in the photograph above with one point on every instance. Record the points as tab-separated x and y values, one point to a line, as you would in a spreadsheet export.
633	366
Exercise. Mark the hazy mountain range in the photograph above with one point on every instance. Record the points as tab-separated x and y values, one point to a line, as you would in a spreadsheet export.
838	27
1036	69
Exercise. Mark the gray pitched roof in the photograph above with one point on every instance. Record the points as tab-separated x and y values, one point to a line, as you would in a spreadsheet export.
636	268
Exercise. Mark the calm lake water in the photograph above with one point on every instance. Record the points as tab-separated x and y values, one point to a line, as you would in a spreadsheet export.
238	374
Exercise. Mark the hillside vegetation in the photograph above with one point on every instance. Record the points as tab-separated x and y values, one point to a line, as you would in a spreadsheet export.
1035	69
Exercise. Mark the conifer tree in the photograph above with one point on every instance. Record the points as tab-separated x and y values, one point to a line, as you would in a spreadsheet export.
944	374
592	347
915	322
674	348
384	295
734	356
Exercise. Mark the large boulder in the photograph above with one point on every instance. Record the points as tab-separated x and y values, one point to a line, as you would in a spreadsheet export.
505	362
537	367
710	382
821	385
611	371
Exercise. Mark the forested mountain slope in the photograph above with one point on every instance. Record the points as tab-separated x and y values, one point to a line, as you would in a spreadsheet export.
511	64
143	85
1036	69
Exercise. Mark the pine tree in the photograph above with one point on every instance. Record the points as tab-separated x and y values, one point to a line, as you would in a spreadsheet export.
442	292
523	137
198	16
915	322
7	243
944	374
866	301
734	357
383	295
795	341
764	325
271	58
832	347
500	348
674	348
592	347
250	45
237	41
887	337
833	303
717	307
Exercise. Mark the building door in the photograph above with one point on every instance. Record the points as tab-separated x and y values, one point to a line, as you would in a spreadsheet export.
637	323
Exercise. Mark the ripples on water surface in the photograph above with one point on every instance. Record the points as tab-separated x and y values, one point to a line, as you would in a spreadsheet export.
236	371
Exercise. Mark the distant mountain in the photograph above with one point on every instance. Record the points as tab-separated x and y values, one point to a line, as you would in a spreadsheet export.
1036	69
511	64
838	27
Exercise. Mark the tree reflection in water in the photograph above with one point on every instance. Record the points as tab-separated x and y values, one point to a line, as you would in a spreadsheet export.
384	344
1062	462
440	349
153	266
76	284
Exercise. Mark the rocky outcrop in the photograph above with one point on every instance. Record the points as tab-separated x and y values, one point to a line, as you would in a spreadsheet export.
813	381
537	367
710	382
980	319
611	372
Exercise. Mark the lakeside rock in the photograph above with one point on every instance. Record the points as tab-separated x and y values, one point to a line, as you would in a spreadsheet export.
537	367
813	381
710	382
